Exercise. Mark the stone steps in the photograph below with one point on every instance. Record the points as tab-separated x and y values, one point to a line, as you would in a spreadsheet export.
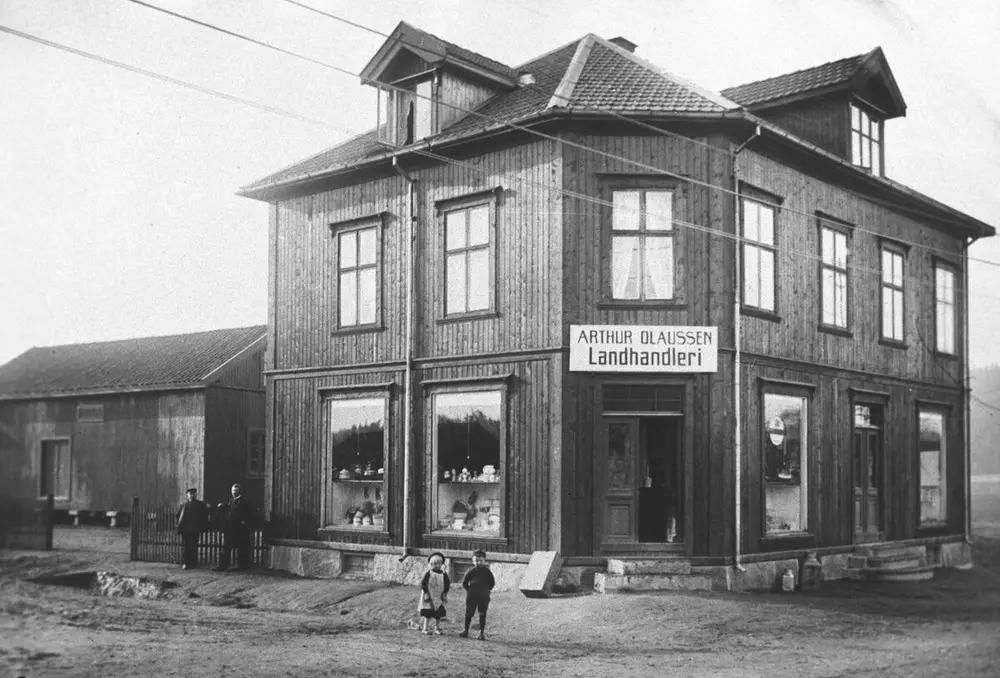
889	563
612	583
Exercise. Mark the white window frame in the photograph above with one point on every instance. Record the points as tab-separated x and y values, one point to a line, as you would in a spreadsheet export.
866	140
833	271
330	471
451	208
433	502
804	459
893	281
623	228
942	467
394	103
944	309
757	247
341	232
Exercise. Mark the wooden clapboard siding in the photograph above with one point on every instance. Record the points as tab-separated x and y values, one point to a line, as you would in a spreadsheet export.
297	459
527	269
245	370
825	122
830	422
148	443
797	336
230	414
530	408
457	96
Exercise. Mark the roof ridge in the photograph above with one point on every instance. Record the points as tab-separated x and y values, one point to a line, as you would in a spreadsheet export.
801	70
534	59
563	94
708	94
152	336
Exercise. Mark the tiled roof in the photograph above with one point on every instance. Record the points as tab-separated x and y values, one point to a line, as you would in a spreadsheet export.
611	80
595	73
478	59
799	82
147	362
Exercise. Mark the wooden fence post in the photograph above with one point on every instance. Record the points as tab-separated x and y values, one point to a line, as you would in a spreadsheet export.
133	528
50	502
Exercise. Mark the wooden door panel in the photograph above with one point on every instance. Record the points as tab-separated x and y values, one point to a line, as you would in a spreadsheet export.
619	521
615	465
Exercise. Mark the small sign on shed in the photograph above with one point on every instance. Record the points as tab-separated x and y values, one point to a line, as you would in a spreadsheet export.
543	569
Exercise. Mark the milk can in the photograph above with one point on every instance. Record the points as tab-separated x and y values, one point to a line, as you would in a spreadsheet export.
812	573
788	581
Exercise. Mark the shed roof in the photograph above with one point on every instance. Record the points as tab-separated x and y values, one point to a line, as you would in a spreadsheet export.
126	364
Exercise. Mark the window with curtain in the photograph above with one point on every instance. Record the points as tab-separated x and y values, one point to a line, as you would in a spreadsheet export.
642	244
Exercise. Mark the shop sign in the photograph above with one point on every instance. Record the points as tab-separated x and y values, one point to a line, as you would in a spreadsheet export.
643	348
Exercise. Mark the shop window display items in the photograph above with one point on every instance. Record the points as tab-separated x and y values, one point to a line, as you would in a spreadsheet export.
467	438
357	453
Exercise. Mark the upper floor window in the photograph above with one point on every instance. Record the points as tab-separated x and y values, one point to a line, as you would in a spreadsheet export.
469	270
944	308
358	276
833	277
406	110
892	294
642	244
759	253
866	145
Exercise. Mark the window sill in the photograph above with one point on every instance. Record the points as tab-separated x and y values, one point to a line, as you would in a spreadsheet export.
893	343
374	530
787	541
833	329
466	535
665	304
942	354
469	482
475	315
760	313
361	329
358	480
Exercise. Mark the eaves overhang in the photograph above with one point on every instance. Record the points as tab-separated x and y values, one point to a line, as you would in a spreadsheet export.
102	391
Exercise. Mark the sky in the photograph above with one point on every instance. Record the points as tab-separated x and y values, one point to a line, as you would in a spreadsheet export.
118	212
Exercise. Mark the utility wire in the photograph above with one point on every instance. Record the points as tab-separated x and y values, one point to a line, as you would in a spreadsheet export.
158	76
620	116
435	156
522	127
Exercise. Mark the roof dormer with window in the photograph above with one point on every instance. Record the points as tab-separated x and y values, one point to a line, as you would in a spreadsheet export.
425	84
839	106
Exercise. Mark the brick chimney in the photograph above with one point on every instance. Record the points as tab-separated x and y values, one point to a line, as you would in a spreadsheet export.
624	43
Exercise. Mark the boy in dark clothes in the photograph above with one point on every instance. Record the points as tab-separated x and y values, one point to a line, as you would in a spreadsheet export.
478	583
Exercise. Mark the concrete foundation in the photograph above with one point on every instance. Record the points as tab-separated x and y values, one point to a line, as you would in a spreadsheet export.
763	575
834	565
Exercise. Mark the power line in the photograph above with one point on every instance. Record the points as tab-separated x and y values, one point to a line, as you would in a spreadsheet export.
159	76
525	128
642	124
278	111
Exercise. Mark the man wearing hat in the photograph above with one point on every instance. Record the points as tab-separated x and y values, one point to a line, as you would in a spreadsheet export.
238	521
192	517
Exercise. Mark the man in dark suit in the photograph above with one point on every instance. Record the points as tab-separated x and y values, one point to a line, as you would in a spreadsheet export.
192	517
237	520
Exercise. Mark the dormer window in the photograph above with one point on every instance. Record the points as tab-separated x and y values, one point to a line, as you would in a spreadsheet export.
406	110
866	144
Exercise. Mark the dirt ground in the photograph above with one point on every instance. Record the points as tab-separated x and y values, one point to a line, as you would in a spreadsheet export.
265	624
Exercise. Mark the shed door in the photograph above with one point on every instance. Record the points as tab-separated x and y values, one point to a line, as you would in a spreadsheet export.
55	469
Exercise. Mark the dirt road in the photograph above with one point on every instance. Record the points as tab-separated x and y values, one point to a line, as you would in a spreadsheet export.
262	624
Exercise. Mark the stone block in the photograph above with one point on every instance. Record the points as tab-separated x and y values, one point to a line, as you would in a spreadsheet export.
956	554
649	566
408	571
541	573
577	577
764	575
835	565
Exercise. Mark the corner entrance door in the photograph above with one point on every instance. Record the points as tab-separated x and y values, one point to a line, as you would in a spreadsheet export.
639	473
867	471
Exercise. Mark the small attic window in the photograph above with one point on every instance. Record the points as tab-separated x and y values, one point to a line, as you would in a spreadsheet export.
866	140
406	110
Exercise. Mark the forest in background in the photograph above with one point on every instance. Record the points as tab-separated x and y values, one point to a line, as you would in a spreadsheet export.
985	419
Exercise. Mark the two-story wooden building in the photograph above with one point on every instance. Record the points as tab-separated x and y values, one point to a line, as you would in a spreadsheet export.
586	306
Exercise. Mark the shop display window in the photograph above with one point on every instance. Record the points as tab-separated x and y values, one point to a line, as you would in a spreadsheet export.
357	440
468	458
